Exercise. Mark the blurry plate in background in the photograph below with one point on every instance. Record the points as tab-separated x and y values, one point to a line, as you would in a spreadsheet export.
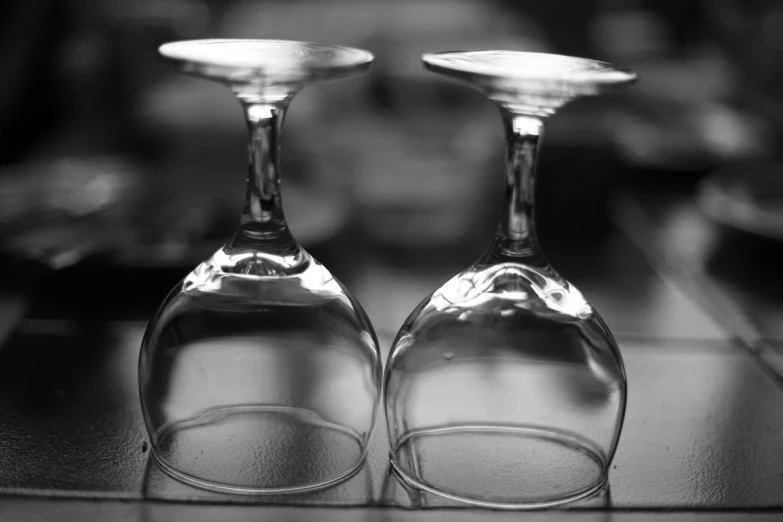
60	212
746	197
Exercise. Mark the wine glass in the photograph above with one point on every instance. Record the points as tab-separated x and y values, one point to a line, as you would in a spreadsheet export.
260	373
504	388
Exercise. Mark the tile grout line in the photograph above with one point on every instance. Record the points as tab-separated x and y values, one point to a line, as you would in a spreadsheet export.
631	219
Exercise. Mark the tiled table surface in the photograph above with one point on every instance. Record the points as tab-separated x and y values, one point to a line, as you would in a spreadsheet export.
703	431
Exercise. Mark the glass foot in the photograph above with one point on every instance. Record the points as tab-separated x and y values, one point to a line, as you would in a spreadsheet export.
279	63
501	467
248	449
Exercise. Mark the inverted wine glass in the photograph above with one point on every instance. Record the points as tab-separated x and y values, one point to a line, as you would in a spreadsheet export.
504	387
260	373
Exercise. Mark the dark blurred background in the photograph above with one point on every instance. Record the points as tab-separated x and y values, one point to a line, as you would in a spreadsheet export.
118	175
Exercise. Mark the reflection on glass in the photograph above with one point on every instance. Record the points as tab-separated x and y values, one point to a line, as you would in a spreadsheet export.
260	373
504	388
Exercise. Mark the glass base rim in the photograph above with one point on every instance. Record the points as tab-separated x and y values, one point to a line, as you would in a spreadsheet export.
261	491
557	435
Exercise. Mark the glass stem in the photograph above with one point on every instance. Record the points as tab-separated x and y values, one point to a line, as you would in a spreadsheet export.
516	232
263	225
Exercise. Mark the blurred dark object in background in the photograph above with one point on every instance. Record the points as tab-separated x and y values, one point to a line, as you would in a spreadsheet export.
30	33
682	117
747	196
56	209
77	177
